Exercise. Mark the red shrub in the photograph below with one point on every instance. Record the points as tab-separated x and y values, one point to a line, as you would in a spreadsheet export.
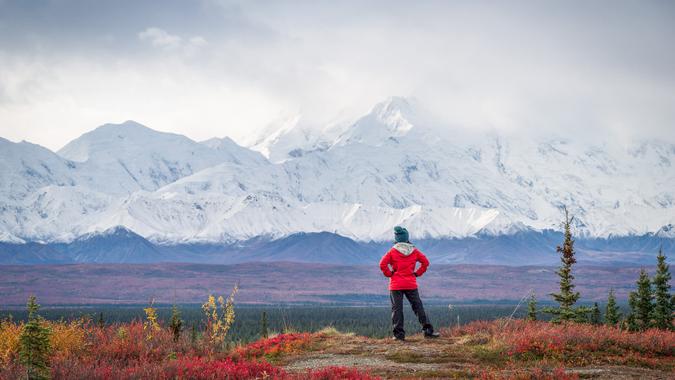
543	338
574	342
199	368
196	368
81	370
284	343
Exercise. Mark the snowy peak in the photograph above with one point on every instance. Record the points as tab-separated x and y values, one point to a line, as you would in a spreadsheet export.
387	121
394	109
115	245
292	138
112	232
109	141
124	158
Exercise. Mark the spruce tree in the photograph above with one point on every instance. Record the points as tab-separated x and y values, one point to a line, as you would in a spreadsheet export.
662	312
640	302
595	314
101	321
532	308
34	344
612	314
263	325
193	336
176	323
566	311
631	320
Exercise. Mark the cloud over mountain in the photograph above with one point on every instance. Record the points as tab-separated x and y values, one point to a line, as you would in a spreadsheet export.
533	67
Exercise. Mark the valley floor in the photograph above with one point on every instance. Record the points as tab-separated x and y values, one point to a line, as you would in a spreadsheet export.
289	282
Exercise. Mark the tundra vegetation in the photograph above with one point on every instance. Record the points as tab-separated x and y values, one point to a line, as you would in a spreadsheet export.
578	341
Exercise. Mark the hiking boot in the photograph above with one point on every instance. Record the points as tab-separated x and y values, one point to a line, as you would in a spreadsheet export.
398	338
429	332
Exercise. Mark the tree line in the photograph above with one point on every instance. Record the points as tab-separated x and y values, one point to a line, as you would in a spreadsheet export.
651	305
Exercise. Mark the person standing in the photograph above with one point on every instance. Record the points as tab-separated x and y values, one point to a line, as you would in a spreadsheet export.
399	265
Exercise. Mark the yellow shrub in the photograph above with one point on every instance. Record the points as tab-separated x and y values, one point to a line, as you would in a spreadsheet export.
219	316
67	338
151	325
10	333
122	333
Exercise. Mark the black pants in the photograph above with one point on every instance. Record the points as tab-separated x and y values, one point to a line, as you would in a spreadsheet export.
413	297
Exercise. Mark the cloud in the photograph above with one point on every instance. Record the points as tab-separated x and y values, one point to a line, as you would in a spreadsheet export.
231	67
198	41
160	38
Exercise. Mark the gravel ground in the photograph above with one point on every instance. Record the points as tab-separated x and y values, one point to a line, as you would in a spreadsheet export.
443	358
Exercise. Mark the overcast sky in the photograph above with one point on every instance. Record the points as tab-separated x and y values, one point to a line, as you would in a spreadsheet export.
229	68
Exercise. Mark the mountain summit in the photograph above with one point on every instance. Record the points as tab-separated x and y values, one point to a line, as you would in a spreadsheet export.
388	120
128	157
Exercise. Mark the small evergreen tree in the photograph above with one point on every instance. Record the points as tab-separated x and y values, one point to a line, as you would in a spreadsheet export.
612	314
631	320
263	325
640	302
34	344
101	321
566	311
595	314
662	312
176	323
532	308
193	336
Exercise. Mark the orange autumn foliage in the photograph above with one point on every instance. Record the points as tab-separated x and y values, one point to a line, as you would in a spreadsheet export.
9	341
68	338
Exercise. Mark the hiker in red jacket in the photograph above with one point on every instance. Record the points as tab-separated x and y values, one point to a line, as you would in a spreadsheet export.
399	265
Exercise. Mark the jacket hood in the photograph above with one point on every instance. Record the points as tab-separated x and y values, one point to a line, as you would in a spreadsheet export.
405	248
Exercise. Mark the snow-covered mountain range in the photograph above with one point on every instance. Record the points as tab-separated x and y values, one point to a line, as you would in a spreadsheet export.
395	165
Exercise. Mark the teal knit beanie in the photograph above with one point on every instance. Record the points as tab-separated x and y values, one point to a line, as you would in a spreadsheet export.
401	234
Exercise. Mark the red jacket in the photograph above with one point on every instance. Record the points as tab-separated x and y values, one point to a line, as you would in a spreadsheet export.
402	274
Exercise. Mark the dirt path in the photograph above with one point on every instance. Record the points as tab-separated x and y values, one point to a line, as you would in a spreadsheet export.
444	358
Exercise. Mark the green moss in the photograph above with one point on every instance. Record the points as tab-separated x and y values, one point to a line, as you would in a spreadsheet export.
489	355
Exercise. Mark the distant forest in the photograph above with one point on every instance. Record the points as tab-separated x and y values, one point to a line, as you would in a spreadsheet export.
371	321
